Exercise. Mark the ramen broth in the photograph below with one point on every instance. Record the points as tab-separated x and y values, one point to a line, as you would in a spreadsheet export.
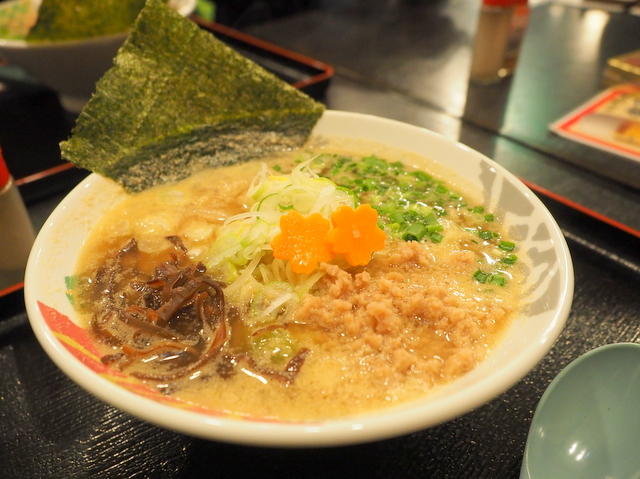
421	313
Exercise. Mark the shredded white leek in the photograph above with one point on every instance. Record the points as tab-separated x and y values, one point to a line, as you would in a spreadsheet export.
248	235
266	288
278	302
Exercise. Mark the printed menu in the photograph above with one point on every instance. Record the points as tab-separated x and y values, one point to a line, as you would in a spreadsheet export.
610	121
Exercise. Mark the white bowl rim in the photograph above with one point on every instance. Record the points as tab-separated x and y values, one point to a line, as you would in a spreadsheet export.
380	424
7	43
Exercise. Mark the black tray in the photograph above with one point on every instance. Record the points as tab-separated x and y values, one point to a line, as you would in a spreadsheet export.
50	427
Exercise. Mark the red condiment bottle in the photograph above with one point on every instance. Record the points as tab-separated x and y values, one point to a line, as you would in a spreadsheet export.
16	230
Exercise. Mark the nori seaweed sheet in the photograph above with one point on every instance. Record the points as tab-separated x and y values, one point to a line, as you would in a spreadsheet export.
60	20
178	100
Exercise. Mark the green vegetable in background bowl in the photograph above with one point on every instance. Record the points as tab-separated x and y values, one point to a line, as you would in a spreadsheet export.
17	17
74	19
206	9
67	45
63	20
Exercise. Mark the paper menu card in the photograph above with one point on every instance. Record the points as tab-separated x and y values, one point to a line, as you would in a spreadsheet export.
610	121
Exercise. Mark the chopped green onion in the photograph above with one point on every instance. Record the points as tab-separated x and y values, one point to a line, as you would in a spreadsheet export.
436	237
396	216
421	175
489	218
487	235
509	259
70	282
440	211
409	203
506	245
410	216
481	276
273	346
417	230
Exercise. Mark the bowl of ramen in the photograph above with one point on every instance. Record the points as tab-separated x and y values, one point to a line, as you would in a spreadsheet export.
70	62
377	281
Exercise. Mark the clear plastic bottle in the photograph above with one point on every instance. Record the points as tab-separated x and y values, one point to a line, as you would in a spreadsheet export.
16	230
501	27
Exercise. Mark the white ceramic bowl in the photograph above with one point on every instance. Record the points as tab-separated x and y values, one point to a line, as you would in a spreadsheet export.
73	67
548	295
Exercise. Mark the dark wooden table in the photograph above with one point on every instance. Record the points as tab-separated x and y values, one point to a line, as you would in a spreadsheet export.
405	60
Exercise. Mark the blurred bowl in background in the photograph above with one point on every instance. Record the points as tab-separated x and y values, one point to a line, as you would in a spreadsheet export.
73	67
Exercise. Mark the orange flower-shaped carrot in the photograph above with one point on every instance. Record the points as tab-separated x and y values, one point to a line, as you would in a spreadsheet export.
356	234
302	241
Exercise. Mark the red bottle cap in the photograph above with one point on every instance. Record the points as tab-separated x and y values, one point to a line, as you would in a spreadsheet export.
4	172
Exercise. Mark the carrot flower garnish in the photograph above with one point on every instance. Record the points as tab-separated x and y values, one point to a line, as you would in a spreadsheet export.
356	234
302	241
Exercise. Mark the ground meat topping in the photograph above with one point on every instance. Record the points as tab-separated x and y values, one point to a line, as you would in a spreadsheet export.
416	321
